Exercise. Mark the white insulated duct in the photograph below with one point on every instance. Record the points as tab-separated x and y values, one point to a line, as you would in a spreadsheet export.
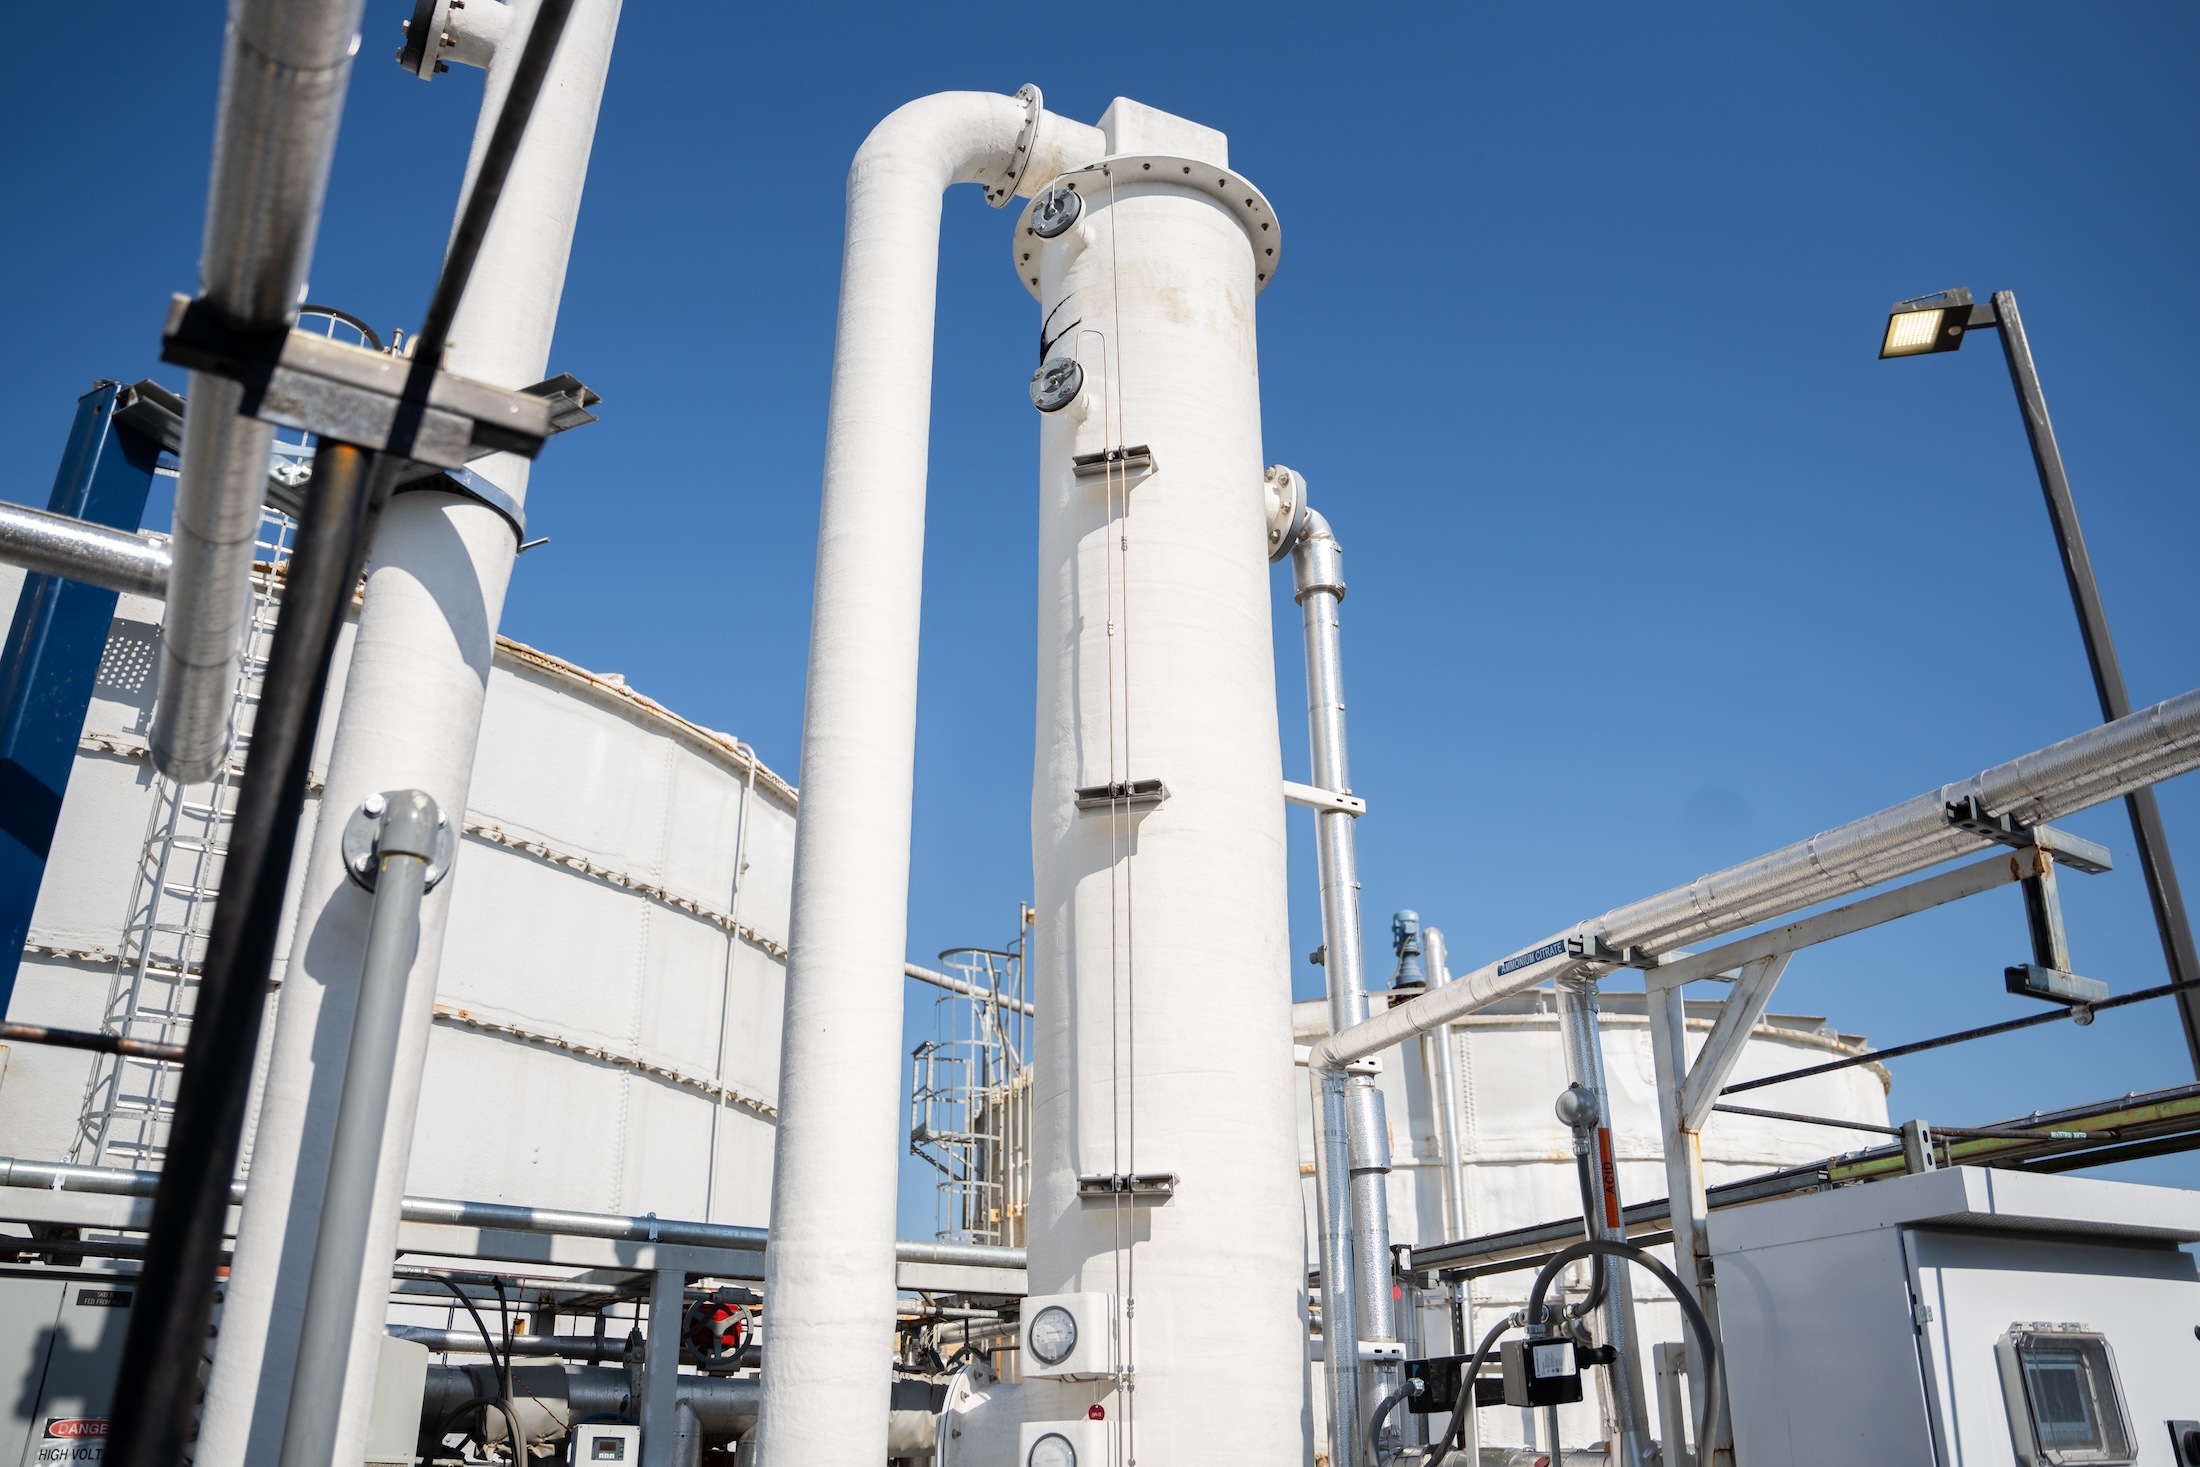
830	1271
1160	962
2101	764
285	68
411	718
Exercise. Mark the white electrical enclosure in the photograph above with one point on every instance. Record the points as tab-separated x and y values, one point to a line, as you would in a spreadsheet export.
1068	1336
602	1441
1161	976
1964	1318
1079	1443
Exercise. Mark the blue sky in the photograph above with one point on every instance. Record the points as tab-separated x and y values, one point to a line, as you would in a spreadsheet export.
1653	566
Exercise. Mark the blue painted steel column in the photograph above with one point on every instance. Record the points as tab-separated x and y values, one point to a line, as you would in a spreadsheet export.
51	659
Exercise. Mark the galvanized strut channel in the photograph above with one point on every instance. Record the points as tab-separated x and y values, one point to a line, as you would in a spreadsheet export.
2091	768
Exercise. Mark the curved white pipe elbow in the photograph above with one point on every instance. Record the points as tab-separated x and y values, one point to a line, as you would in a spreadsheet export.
830	1271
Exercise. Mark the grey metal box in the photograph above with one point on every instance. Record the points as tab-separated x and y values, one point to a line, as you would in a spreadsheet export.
1861	1325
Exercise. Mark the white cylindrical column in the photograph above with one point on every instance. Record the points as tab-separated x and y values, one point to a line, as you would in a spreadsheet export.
1163	983
411	718
830	1273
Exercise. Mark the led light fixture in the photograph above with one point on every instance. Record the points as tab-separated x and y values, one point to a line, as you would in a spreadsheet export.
1928	323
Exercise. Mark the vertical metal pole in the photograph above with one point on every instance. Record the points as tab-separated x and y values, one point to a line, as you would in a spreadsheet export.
1577	1017
404	846
1340	1314
661	1369
1684	1185
51	661
1447	1093
167	1339
1317	567
2170	919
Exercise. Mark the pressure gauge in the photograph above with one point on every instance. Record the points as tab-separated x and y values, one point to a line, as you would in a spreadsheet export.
1052	1450
1052	1334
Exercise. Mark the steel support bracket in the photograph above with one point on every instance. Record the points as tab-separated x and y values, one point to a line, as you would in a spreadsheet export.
351	394
1136	459
1314	797
1110	1186
2074	851
1132	794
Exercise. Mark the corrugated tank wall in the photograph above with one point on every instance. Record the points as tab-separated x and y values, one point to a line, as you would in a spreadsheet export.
596	942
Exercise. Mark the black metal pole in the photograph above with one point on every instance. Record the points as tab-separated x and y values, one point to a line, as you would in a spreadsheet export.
2108	677
158	1390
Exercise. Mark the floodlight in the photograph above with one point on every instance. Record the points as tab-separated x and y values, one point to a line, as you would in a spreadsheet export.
1928	323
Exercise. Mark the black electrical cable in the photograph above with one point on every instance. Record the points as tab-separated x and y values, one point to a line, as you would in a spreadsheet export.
504	1323
1987	1031
1589	1192
1375	1427
1683	1296
488	1343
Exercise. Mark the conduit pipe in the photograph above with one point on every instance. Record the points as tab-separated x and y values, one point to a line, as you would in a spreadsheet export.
57	1176
1447	1091
830	1272
77	550
1360	1261
2092	768
285	68
410	719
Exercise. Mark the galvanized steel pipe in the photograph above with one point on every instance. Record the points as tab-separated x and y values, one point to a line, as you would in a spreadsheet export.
285	69
2098	765
1361	1260
77	550
1583	1037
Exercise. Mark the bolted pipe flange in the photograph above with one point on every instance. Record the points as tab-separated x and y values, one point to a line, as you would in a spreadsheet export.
1283	491
398	822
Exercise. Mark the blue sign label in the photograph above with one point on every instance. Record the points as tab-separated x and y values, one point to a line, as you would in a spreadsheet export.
1548	950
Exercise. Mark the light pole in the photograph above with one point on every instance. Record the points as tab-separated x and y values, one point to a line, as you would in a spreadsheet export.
1938	323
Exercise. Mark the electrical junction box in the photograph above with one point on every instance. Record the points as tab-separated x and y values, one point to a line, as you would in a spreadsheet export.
61	1336
1068	1336
1961	1317
1065	1444
400	1384
1439	1378
1541	1373
603	1441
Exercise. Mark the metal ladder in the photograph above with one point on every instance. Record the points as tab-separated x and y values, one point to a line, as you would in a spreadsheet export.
128	1101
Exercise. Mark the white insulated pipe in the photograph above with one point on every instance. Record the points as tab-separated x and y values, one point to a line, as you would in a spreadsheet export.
1160	962
411	719
2091	768
830	1271
285	68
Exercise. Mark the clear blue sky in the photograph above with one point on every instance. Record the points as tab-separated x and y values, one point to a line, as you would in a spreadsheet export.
1653	566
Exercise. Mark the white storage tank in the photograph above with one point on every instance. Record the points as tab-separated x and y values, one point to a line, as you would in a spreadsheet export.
610	995
1520	1168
